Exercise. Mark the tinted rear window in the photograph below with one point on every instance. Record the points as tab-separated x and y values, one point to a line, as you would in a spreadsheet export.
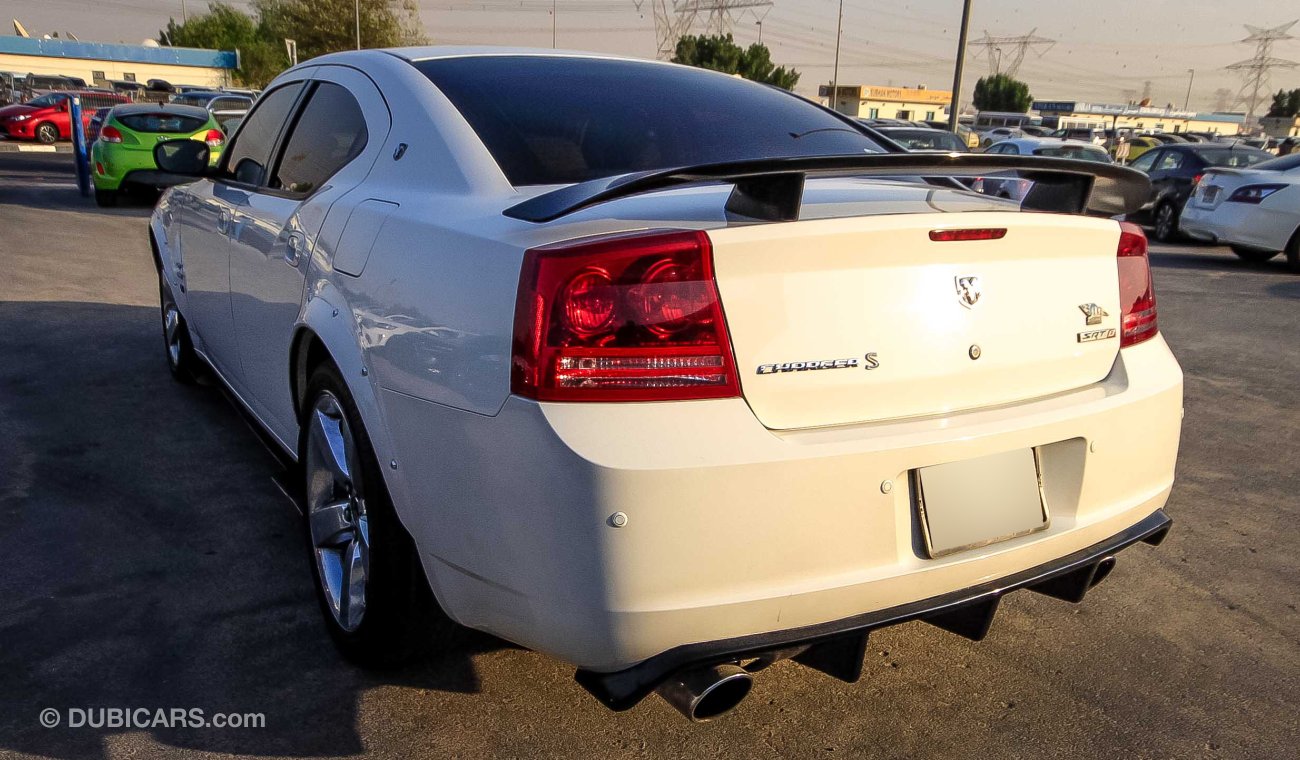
1234	158
926	139
560	120
161	123
1080	152
1285	163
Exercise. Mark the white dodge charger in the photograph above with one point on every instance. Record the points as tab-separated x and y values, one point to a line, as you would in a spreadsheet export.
661	372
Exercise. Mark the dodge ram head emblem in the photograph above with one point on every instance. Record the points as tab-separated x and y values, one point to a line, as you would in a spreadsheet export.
968	290
1092	313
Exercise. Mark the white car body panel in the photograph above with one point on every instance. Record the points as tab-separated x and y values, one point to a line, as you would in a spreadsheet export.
744	515
1269	225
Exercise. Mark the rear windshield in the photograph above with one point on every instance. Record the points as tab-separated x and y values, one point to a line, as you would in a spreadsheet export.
559	120
160	123
926	139
1078	152
188	100
1234	158
1285	163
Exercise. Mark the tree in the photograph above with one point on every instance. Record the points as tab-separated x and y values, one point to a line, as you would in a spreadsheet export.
1000	92
317	26
328	26
1286	103
721	53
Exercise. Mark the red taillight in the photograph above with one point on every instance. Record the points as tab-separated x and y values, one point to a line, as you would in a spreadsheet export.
214	138
623	318
1197	180
992	233
110	135
1137	297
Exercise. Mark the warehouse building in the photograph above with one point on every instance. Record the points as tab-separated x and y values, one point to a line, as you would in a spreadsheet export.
98	62
1071	114
873	102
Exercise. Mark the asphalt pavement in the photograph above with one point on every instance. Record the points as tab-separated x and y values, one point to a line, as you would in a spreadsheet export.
149	562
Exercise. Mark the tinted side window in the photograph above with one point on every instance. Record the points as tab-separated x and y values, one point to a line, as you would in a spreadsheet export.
247	159
1170	161
1144	162
330	132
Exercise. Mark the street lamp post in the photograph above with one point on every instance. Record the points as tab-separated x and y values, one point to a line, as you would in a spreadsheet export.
961	61
835	74
357	7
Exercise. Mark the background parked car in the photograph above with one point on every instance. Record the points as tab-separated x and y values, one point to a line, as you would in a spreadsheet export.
1096	136
1175	170
222	104
46	119
1167	138
1140	144
1014	188
1035	130
967	135
990	136
123	154
96	124
1255	210
925	140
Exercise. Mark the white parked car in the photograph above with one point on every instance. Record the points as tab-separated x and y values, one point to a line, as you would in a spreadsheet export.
1017	188
560	349
1254	210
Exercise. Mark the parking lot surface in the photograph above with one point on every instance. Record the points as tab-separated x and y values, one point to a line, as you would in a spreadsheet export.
151	563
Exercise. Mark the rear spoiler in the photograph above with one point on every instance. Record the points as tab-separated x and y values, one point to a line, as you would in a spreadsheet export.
771	189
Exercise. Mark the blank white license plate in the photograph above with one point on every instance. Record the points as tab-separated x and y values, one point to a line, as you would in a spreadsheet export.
976	502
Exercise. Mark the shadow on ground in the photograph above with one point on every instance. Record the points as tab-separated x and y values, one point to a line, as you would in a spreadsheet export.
180	574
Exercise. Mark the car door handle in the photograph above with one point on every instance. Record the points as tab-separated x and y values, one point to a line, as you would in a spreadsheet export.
293	250
223	221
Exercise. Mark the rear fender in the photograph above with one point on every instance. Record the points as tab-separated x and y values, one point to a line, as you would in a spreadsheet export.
327	319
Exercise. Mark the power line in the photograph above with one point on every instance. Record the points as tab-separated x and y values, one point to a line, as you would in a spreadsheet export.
1005	54
1255	71
676	18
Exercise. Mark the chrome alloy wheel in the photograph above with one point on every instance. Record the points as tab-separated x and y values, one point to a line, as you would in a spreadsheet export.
172	334
336	512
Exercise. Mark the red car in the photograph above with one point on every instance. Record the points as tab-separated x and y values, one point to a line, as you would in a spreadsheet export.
46	118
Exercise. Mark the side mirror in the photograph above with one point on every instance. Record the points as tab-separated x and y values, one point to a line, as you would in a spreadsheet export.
188	159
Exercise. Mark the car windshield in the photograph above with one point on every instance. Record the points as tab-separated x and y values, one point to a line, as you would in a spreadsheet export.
558	120
1079	152
926	139
160	123
190	100
1234	158
45	101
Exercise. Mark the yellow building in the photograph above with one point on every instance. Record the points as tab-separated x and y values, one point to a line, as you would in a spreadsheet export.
97	62
1281	126
872	102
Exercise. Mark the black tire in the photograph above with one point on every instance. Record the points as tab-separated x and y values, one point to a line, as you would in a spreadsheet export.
1165	223
105	198
401	618
47	133
184	364
1253	255
1293	253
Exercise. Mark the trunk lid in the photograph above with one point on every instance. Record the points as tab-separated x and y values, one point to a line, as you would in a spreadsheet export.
837	321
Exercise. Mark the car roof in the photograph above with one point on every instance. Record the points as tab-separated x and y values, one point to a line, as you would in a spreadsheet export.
432	52
179	110
1047	142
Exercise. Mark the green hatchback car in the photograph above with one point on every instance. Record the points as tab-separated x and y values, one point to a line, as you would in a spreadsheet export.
122	154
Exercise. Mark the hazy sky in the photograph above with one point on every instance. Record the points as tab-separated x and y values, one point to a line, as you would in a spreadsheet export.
1104	48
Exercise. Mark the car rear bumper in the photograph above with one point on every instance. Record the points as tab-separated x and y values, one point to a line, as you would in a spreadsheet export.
1254	225
837	647
609	534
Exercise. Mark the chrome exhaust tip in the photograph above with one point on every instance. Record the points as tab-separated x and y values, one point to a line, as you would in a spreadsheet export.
706	693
